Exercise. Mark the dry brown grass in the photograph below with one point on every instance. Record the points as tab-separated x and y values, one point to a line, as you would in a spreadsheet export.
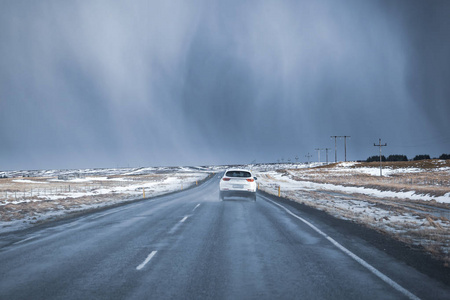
428	180
420	164
19	189
24	210
28	195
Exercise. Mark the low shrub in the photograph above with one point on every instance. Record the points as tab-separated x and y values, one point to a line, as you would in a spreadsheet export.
444	156
421	157
397	157
376	158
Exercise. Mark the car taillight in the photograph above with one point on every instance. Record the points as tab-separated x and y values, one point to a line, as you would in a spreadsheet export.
250	180
226	179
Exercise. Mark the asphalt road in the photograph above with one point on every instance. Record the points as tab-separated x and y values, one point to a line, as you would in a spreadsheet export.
190	245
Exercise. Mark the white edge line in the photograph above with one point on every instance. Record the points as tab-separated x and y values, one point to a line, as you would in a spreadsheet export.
352	255
24	240
149	257
102	215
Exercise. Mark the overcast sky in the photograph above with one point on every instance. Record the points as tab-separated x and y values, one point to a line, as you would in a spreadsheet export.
152	83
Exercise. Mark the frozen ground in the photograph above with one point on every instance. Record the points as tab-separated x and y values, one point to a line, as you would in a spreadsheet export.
411	202
32	197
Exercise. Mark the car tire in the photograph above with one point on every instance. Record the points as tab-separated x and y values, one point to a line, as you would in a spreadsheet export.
221	196
254	197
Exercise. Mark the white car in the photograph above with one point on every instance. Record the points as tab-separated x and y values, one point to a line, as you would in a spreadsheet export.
238	182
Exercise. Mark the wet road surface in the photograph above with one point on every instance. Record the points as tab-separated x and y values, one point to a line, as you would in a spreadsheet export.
191	245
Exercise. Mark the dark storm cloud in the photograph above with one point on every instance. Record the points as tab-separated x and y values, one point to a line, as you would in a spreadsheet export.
101	83
427	28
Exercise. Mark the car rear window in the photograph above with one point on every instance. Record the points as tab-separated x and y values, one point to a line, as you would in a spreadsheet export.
238	174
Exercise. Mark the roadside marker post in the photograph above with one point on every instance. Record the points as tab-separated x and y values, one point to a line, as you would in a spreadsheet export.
279	191
143	191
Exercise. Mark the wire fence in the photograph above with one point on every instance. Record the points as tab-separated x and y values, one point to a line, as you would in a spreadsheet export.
21	194
54	190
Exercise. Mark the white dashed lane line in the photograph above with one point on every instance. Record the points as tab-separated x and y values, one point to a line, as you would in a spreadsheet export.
153	253
176	226
196	207
146	261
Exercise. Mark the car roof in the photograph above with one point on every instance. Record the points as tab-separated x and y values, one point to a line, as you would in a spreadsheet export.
240	170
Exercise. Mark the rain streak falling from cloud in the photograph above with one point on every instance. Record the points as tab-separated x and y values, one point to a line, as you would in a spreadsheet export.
99	83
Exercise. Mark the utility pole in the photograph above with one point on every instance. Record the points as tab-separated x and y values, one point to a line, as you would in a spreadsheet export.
308	156
380	145
335	145
326	150
318	152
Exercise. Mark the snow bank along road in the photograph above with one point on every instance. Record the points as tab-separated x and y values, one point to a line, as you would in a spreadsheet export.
191	245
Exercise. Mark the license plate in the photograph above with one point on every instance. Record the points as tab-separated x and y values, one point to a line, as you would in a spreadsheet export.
238	186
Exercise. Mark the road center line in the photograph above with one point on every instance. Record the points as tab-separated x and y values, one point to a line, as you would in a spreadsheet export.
196	207
177	225
149	257
352	255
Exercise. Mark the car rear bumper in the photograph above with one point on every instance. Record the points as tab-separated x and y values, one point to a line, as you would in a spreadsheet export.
237	193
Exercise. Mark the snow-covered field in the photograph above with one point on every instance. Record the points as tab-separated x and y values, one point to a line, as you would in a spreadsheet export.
409	202
31	197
